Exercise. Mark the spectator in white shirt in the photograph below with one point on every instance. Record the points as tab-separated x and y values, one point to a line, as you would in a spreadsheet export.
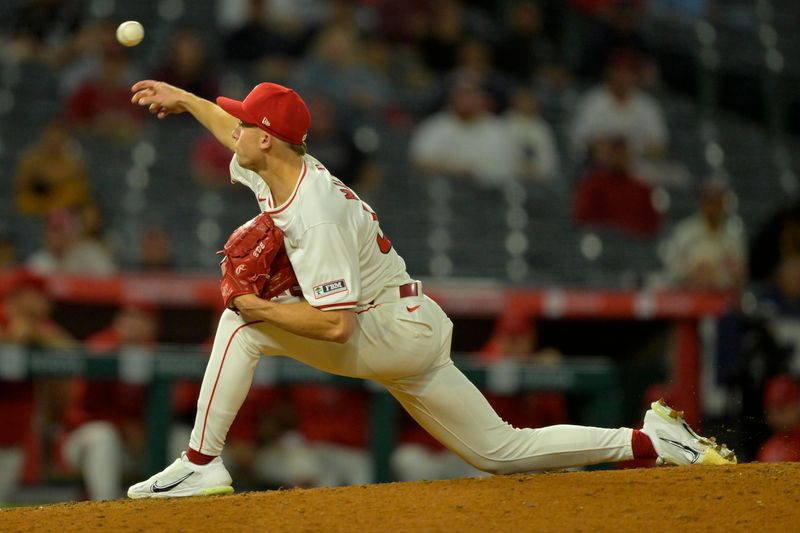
617	108
531	137
707	250
68	250
465	140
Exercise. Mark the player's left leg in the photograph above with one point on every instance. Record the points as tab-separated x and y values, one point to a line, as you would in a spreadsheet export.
453	410
238	346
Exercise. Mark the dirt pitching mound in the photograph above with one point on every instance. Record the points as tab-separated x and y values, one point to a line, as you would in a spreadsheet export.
738	498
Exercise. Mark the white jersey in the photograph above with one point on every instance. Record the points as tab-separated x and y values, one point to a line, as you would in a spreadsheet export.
341	258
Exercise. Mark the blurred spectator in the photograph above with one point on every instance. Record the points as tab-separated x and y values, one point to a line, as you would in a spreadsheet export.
330	142
101	105
515	338
285	15
615	30
258	35
28	309
781	297
264	446
187	65
617	108
41	27
84	58
608	194
210	162
707	249
155	251
418	456
104	418
333	422
67	250
403	21
91	221
782	410
445	31
779	237
336	67
8	252
523	49
26	410
474	62
51	174
686	11
465	140
533	139
314	436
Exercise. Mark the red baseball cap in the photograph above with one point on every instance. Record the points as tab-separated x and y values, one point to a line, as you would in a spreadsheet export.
275	109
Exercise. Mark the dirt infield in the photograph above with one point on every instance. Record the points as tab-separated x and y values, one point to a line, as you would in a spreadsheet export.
740	498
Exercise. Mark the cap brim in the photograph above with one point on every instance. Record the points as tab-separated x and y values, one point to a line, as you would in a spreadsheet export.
232	107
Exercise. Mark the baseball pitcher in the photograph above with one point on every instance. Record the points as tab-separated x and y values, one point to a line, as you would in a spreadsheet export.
357	313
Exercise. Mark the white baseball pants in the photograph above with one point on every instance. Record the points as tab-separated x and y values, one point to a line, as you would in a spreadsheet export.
407	350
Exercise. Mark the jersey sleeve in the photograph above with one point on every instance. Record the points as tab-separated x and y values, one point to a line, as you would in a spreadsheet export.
325	261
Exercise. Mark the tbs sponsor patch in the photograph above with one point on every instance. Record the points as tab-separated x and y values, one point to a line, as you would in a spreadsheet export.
329	288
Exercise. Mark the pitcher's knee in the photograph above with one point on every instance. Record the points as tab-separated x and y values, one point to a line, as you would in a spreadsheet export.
491	465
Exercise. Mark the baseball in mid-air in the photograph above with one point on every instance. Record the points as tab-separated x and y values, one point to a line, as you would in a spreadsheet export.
130	33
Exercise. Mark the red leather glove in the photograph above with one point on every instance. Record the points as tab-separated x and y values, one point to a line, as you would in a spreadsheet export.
248	257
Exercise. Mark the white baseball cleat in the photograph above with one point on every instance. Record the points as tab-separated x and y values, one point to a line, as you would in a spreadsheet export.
184	478
677	444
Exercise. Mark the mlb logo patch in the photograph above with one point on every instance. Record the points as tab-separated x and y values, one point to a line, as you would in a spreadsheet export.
329	288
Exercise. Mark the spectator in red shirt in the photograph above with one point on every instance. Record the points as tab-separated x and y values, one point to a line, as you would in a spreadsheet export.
104	418
609	194
210	162
101	105
25	321
187	65
782	410
333	422
262	447
515	337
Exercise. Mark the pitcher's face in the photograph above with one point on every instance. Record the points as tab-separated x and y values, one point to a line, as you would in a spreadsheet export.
250	144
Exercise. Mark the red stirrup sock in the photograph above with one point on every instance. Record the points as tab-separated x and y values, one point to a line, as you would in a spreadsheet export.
642	446
201	458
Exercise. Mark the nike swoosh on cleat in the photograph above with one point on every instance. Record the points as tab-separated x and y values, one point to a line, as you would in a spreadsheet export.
165	488
691	453
412	309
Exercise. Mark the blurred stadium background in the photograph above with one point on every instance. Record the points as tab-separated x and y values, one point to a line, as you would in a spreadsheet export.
601	193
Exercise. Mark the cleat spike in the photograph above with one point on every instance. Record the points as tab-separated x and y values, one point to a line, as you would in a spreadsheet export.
676	443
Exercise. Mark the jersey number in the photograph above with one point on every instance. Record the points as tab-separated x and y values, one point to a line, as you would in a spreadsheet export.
384	244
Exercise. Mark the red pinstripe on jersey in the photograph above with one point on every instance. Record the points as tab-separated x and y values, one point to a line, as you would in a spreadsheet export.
292	197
